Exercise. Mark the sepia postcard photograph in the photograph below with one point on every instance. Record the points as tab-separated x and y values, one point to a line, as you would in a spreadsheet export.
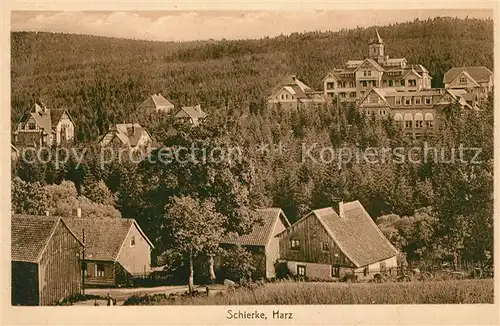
255	163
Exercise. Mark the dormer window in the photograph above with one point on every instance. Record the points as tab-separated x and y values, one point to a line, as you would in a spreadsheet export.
463	80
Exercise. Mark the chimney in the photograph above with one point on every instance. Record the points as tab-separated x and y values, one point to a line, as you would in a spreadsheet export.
78	212
341	209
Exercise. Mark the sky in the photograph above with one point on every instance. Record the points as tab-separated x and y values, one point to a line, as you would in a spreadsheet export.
202	25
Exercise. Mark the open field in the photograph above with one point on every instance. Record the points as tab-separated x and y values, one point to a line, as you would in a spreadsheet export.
289	293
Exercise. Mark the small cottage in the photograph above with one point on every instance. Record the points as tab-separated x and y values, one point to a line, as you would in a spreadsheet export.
156	103
45	259
327	245
128	135
116	250
261	241
191	114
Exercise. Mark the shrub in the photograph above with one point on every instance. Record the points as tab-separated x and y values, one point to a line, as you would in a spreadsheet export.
238	263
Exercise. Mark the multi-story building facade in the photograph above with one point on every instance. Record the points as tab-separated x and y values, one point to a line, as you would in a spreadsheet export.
477	81
418	112
44	127
351	82
294	94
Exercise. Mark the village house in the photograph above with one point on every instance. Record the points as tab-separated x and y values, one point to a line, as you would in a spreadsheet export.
44	127
156	103
294	94
128	135
45	259
327	245
116	250
191	114
261	241
350	83
417	112
477	81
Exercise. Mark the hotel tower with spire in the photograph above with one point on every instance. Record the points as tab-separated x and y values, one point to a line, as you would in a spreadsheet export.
351	83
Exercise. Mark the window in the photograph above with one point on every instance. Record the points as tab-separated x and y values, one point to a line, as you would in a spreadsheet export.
301	270
31	126
363	83
402	82
342	95
99	270
428	100
407	100
419	124
295	244
418	100
429	123
383	267
324	246
362	93
367	73
352	84
352	95
335	271
398	100
463	80
329	85
132	241
412	82
390	82
409	124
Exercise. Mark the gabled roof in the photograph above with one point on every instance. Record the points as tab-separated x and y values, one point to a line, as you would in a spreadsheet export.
46	119
479	74
191	112
104	237
373	63
30	235
156	101
356	234
128	133
56	114
262	231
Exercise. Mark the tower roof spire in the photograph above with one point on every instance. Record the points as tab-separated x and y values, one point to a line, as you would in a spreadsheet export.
379	39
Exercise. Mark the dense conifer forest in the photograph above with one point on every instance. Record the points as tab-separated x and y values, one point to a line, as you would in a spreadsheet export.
430	211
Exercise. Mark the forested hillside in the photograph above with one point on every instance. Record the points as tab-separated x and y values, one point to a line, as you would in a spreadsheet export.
435	209
100	80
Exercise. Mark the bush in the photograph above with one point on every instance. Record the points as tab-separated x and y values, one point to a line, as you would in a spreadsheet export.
136	300
238	264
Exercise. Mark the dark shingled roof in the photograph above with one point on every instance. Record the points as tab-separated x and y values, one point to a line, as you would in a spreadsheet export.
30	235
191	112
480	74
103	236
262	231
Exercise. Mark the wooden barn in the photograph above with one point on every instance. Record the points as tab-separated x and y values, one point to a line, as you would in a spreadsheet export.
116	250
328	245
261	241
45	260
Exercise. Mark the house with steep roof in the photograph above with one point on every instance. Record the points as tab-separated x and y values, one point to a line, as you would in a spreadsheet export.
417	112
292	93
116	250
261	241
327	244
44	127
191	114
351	82
156	103
129	135
477	81
45	260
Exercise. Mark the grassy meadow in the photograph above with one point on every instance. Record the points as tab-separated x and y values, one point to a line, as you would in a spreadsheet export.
290	293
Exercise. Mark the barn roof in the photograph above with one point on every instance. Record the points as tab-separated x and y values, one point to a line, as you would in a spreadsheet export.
104	237
30	235
356	234
262	230
480	74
